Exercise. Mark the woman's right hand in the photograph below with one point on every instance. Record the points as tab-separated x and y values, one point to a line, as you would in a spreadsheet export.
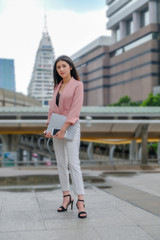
47	134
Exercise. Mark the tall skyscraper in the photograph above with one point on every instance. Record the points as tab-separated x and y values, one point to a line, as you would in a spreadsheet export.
41	84
7	74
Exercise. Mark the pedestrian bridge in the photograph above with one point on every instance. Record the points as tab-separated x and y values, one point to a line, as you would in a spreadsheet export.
110	125
96	122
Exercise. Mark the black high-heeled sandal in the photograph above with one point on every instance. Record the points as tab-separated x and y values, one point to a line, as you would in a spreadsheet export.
70	202
82	212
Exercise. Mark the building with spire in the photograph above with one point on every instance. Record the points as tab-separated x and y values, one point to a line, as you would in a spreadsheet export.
41	83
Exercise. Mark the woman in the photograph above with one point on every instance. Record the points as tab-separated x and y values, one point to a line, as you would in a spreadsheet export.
67	100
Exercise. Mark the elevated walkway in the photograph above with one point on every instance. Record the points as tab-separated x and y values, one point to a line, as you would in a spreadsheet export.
110	125
96	122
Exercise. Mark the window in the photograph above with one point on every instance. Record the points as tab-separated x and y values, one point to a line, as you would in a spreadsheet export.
46	46
132	45
46	57
144	18
118	52
48	74
117	33
129	27
138	42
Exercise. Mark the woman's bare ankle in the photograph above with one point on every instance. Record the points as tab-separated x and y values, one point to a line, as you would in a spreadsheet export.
66	193
81	197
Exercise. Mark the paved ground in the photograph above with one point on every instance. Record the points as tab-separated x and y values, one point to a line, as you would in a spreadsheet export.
113	213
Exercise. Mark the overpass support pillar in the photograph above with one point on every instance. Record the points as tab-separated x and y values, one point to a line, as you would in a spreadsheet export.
90	150
29	157
20	155
133	152
144	153
140	153
111	154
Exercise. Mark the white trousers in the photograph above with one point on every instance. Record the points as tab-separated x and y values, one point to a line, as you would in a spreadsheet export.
67	154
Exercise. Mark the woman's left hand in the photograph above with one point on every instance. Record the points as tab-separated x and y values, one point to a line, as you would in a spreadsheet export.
60	134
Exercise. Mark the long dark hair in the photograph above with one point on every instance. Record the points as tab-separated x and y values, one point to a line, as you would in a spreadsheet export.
56	77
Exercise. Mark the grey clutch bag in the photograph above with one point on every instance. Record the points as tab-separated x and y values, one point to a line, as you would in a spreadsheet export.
56	123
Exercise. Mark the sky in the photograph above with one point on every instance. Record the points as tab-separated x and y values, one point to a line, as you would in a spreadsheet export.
72	24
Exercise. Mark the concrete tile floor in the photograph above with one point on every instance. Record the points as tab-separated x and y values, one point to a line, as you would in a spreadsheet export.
33	214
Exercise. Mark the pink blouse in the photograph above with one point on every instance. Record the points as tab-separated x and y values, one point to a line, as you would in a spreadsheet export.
70	102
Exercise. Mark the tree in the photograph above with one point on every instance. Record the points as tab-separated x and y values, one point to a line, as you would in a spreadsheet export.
125	101
151	100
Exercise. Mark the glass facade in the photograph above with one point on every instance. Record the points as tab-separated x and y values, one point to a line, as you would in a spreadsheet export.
7	74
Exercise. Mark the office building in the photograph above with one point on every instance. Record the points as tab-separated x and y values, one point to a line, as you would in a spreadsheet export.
92	63
41	84
135	52
129	62
7	74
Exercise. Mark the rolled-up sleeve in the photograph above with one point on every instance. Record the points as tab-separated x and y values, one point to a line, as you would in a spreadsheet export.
76	104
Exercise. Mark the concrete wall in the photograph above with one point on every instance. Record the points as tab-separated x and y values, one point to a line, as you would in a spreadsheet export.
11	98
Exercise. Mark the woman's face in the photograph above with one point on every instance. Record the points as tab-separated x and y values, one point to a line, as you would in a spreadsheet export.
63	69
